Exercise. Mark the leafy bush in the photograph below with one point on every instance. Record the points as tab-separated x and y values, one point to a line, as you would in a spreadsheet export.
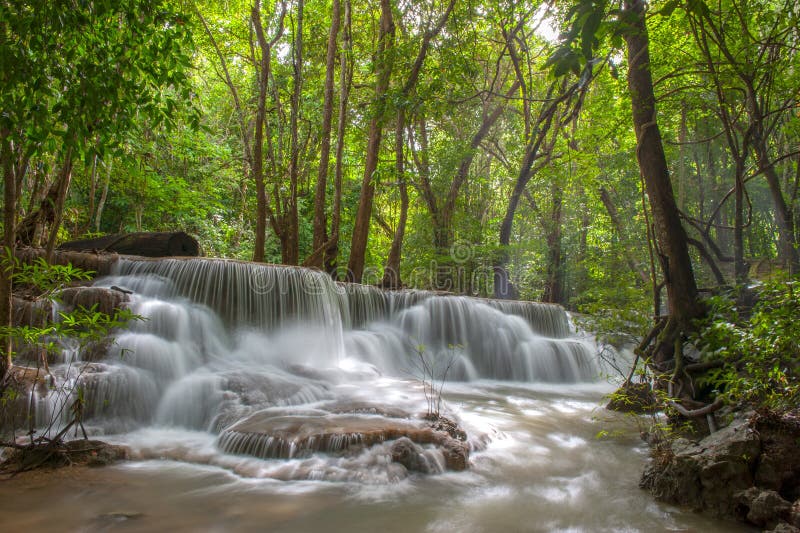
759	351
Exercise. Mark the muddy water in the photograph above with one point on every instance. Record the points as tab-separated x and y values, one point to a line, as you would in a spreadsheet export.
543	469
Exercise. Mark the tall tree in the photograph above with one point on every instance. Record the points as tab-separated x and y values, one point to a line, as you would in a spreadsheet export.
320	243
391	277
383	71
78	81
673	249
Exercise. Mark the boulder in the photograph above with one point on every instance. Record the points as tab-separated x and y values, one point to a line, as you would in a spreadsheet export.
408	454
762	507
778	467
107	300
749	470
707	475
343	428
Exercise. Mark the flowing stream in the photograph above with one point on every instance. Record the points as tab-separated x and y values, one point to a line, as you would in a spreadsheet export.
264	398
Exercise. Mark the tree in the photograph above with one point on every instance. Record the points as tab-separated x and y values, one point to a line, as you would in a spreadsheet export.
78	80
383	72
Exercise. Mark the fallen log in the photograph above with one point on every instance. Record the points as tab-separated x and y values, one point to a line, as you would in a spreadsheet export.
146	244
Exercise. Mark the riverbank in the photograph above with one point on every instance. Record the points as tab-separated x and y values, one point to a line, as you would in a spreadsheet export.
749	470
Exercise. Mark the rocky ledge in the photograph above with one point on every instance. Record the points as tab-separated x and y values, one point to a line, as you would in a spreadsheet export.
421	445
749	470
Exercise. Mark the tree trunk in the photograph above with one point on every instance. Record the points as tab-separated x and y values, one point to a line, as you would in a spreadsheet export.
9	244
684	305
787	251
257	163
391	273
58	209
554	284
504	288
345	79
358	244
739	266
290	243
101	204
320	222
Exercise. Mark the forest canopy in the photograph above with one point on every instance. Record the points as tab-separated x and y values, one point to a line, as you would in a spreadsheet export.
478	147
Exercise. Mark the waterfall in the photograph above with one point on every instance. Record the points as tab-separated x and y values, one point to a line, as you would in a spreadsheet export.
228	346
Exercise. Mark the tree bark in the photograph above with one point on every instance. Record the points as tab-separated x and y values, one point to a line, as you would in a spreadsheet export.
101	204
345	80
320	222
684	305
257	163
391	273
554	283
534	149
9	244
290	244
358	244
58	209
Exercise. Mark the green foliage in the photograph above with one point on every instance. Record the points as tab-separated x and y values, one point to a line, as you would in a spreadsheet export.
620	314
79	327
41	275
759	349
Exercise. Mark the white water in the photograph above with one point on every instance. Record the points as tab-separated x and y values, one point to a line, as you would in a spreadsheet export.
226	341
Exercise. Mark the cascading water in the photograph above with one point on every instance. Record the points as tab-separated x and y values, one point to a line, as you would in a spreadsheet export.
241	371
223	340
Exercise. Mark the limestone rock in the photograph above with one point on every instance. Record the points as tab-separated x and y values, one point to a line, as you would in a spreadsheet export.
56	455
779	465
706	476
406	453
762	507
107	300
346	428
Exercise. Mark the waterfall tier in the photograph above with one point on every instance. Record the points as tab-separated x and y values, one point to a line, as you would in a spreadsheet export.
258	355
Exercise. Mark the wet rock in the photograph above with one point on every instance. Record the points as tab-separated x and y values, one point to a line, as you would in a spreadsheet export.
95	351
749	470
268	434
32	312
406	453
707	475
794	514
99	263
762	507
363	407
779	464
456	455
15	409
107	300
292	433
442	423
